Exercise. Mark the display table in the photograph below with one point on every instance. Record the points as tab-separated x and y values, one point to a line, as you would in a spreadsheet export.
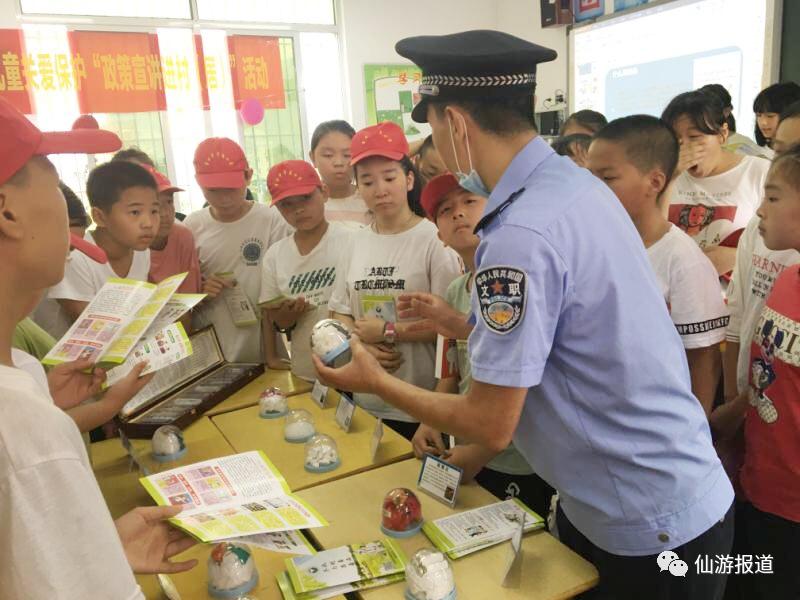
245	430
551	571
248	395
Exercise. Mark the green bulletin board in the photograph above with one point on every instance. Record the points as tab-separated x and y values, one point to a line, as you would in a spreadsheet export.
391	92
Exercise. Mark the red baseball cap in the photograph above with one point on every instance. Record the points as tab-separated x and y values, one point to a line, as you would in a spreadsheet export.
163	182
96	253
384	139
85	122
22	140
292	178
220	163
435	191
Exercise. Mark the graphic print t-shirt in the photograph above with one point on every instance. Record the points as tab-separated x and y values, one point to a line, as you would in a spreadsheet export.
287	273
771	473
710	209
376	270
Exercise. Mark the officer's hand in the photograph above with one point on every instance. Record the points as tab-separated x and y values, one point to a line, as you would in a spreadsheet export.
427	440
361	374
435	314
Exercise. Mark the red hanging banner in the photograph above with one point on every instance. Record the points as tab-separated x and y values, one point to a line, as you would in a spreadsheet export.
256	70
122	72
14	85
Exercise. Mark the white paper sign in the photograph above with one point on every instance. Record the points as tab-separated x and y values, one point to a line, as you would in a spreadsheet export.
375	442
319	393
344	411
440	479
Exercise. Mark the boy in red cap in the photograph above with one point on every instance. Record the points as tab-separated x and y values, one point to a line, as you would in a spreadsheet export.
298	272
50	505
173	250
232	235
456	212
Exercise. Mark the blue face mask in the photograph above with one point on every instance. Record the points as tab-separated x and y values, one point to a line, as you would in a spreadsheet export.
471	182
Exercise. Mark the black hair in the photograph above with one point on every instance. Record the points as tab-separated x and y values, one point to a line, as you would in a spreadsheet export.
108	181
134	154
75	209
705	111
648	142
327	127
788	164
565	145
415	193
791	112
502	116
719	90
774	99
590	119
427	144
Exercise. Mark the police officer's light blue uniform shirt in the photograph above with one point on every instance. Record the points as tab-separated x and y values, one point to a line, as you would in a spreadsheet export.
566	304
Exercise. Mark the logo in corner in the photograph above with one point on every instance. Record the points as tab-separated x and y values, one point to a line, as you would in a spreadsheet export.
501	297
252	249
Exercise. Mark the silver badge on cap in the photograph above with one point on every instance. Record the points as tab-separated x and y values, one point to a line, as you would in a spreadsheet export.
428	89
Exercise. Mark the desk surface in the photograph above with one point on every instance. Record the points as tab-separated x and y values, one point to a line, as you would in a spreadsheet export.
246	431
248	395
551	571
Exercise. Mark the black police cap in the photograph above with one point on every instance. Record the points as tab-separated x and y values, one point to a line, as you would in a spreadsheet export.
472	64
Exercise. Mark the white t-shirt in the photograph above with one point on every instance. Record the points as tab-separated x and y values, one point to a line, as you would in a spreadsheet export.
757	267
83	278
710	209
351	211
237	248
286	272
376	270
690	287
59	540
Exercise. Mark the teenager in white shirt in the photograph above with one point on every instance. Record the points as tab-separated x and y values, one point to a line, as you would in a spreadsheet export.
399	253
330	154
59	540
232	235
299	271
715	192
636	156
124	201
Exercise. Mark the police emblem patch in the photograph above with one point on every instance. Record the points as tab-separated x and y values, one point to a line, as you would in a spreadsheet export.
501	297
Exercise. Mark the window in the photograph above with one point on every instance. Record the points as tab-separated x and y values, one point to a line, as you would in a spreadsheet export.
322	78
163	9
316	12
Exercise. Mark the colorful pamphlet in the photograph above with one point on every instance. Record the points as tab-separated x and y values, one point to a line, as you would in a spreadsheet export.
161	349
239	305
230	497
472	530
380	307
446	358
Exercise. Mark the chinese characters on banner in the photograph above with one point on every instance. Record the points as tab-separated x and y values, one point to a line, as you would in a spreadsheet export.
116	72
254	62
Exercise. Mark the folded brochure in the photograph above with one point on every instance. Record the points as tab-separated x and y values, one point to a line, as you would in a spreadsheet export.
472	530
353	565
230	497
288	592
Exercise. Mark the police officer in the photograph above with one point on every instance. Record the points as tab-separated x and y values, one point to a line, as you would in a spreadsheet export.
572	349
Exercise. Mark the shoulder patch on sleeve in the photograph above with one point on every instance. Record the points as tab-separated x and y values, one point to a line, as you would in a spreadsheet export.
501	297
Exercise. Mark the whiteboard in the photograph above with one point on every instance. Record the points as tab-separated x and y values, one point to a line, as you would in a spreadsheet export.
638	60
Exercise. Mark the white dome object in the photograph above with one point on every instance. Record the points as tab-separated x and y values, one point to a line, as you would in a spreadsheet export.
322	454
272	403
429	576
299	427
231	570
330	341
168	443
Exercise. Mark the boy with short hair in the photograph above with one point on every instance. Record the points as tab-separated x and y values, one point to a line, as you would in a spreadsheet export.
124	200
636	156
49	498
456	212
232	235
173	250
428	162
300	269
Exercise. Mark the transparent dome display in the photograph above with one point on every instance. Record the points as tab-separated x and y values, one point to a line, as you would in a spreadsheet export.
402	513
231	570
322	454
429	576
168	443
330	340
272	403
299	427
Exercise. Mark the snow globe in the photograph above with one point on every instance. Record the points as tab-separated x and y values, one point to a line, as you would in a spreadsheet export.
429	577
402	513
330	341
299	427
322	455
231	570
272	404
168	444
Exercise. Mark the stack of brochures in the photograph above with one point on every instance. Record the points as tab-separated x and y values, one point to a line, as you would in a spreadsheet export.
472	530
342	570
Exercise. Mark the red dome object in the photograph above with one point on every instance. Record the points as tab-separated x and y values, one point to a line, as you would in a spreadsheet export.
402	513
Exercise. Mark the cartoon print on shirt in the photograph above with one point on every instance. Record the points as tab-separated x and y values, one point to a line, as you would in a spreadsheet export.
763	374
702	222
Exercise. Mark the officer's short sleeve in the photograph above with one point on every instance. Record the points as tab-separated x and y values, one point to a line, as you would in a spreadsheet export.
521	284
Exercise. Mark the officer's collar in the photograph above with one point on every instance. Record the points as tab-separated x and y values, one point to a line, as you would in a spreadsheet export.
517	173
